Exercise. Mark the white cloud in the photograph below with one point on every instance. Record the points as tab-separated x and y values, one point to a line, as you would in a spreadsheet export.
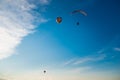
90	59
16	22
117	49
80	69
101	51
85	60
69	62
44	2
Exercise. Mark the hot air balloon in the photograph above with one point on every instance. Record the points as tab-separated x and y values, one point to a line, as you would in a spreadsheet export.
59	19
44	71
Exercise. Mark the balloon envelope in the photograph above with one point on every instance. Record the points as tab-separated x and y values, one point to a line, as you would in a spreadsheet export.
59	19
44	71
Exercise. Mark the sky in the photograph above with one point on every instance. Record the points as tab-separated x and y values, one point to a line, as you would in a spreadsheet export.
31	40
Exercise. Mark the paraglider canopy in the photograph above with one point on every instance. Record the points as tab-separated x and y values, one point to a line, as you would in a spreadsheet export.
80	11
59	19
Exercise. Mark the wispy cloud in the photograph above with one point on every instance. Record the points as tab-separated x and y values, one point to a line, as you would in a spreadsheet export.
85	60
45	2
90	59
16	22
117	49
80	69
69	61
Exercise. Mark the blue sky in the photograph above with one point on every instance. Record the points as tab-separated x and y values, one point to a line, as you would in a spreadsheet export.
31	41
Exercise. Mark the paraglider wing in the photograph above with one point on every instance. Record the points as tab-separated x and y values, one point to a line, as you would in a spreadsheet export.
83	12
75	11
80	11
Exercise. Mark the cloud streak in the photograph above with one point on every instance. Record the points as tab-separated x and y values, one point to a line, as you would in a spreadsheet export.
89	59
85	60
117	49
16	22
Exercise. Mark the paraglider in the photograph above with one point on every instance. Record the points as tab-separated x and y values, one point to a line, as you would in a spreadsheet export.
80	11
59	19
